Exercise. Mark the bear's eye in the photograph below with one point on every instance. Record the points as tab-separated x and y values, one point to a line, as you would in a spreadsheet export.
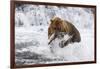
55	28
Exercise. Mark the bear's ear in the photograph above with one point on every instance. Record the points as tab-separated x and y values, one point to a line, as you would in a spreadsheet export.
51	20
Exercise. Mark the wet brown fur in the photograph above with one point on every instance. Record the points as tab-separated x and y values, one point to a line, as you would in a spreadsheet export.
59	25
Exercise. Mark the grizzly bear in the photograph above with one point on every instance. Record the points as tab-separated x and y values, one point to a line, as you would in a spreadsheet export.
58	25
